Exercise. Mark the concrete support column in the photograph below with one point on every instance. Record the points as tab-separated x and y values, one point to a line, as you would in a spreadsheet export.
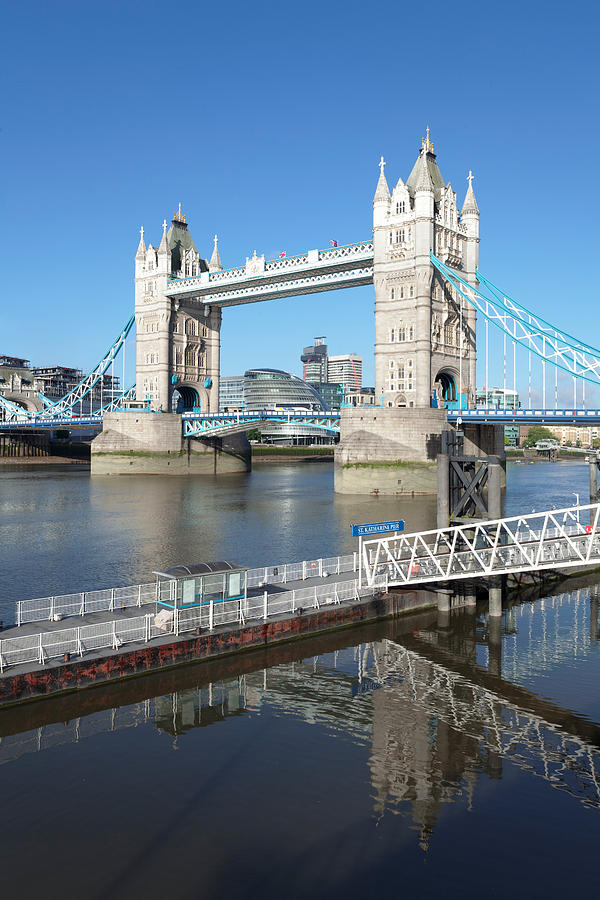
443	490
494	488
495	596
444	600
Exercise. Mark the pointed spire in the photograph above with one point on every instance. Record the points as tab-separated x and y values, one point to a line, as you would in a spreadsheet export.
470	204
163	247
141	250
383	191
424	182
215	260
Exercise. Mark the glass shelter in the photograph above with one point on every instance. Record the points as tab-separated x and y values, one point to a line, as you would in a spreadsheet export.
184	587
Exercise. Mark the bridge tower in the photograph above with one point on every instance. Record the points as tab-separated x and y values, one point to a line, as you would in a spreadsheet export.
178	341
424	337
424	334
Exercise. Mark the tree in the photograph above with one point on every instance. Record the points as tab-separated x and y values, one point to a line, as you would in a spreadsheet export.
538	433
253	435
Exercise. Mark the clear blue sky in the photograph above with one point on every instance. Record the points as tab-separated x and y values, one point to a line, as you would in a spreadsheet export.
267	121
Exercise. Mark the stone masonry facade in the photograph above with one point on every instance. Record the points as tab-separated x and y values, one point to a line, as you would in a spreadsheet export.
178	342
424	334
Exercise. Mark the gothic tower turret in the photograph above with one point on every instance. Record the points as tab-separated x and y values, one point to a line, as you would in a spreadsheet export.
178	343
421	354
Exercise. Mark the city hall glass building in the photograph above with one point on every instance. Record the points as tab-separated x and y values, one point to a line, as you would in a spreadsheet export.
275	389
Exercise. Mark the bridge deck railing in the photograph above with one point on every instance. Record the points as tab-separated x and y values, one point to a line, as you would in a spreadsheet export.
78	640
122	598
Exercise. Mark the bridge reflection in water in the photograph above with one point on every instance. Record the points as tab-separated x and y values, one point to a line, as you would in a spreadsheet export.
435	701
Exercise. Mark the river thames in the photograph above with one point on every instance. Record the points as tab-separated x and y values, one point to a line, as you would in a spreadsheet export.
438	756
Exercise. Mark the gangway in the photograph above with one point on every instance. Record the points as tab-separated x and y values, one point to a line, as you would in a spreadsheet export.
554	539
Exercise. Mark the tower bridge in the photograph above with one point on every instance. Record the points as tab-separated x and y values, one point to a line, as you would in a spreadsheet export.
423	262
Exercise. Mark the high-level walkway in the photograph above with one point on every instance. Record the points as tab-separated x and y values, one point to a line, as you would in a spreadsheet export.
308	273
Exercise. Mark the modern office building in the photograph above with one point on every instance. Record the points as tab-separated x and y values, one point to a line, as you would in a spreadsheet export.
331	394
497	398
345	370
314	360
231	393
501	398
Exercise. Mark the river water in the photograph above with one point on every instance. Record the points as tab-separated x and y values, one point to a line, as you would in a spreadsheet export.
434	755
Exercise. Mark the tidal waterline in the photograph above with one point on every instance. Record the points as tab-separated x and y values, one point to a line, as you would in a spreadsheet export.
315	773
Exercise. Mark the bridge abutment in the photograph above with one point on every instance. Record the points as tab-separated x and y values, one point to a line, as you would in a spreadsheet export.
134	443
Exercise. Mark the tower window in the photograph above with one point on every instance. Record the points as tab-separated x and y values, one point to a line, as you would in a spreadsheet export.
400	207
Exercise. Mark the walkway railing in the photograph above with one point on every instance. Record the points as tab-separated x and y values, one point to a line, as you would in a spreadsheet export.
75	641
122	598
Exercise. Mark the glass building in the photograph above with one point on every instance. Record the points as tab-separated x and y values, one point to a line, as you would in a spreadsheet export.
314	359
231	393
331	394
275	389
497	398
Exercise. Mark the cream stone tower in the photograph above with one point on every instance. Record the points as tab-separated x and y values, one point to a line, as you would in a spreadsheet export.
178	342
424	334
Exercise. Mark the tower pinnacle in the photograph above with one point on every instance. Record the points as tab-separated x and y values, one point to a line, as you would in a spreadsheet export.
470	204
141	250
382	192
215	260
163	246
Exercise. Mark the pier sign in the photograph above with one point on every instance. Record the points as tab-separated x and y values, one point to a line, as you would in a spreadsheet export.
376	528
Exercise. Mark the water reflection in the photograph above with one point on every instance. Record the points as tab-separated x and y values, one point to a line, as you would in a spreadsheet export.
431	712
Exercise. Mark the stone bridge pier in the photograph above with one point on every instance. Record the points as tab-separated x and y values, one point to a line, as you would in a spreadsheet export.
136	442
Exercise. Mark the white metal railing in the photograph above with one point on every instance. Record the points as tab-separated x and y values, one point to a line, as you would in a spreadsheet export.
84	602
122	598
75	641
553	539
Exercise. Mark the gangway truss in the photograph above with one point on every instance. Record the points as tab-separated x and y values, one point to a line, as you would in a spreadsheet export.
554	539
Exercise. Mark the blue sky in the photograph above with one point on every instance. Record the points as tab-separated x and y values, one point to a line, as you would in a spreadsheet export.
267	121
